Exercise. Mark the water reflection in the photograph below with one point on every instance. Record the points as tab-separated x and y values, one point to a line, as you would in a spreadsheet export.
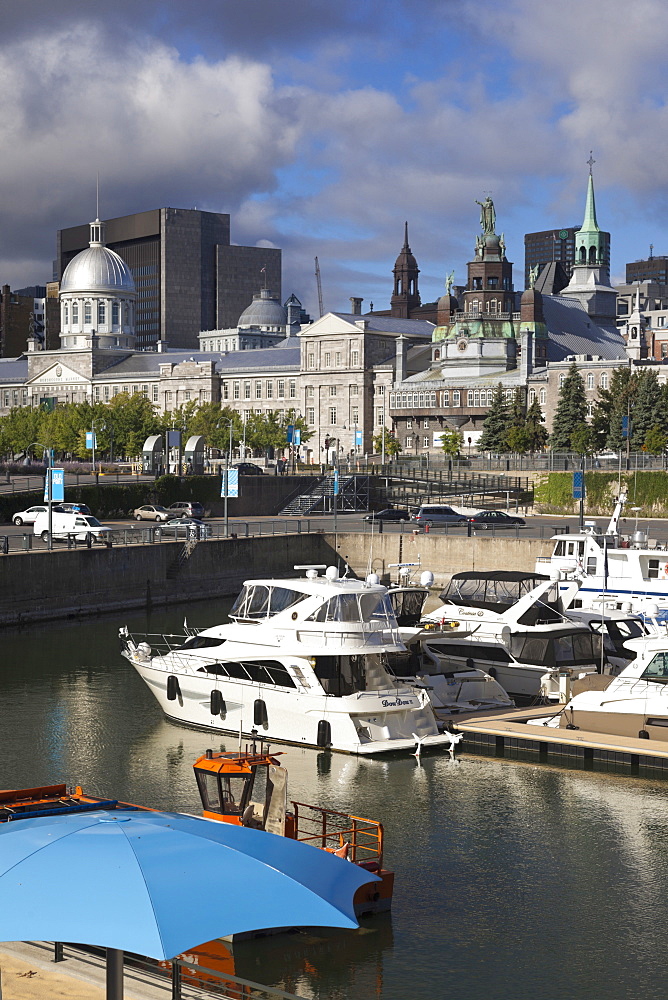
513	880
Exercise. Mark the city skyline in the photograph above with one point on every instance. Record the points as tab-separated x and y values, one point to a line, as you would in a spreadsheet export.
320	128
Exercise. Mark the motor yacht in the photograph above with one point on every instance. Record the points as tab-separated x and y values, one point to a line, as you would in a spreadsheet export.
302	661
612	567
511	625
453	688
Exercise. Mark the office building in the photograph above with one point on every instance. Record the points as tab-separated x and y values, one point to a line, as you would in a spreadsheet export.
654	270
188	276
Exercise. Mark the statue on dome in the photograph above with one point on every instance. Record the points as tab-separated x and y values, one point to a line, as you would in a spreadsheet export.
449	282
533	275
487	215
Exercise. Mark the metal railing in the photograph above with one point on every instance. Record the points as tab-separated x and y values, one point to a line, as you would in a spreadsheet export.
331	830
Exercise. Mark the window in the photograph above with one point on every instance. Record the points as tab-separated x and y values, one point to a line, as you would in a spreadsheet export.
310	415
66	314
101	313
155	394
409	424
292	390
187	394
226	390
97	392
590	380
543	397
380	418
590	409
425	423
310	391
562	379
88	313
425	441
355	414
258	390
354	390
75	312
445	399
144	392
270	390
236	391
456	398
114	313
492	281
332	415
532	396
168	397
409	441
328	360
355	358
604	381
247	390
469	397
332	390
311	361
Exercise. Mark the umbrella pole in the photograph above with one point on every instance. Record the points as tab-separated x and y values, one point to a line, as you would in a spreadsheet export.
114	974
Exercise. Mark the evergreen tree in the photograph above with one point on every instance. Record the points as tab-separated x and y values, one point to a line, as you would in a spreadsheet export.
645	407
495	425
536	433
571	412
622	390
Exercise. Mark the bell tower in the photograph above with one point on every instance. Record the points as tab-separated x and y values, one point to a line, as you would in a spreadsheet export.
406	295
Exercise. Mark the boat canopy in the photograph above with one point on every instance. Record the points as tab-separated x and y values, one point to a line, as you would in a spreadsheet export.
491	588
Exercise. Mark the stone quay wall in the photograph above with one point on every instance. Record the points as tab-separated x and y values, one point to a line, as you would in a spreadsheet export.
41	585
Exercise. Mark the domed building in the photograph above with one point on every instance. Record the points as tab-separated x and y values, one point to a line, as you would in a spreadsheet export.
264	323
97	298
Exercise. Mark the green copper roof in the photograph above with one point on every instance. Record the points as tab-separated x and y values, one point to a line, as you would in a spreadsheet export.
590	225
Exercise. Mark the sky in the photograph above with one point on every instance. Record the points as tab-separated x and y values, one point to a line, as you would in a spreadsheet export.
320	127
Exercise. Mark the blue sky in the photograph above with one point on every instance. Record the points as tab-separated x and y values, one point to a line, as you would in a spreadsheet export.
320	127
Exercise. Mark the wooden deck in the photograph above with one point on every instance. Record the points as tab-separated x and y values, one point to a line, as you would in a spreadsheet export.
510	734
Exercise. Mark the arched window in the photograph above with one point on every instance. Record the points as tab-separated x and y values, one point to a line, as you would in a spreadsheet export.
469	398
604	381
101	313
562	379
583	255
476	397
437	355
532	396
66	313
543	397
590	380
445	399
75	313
490	396
592	255
114	313
88	313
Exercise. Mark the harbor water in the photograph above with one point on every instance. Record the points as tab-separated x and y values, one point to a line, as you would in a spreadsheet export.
515	881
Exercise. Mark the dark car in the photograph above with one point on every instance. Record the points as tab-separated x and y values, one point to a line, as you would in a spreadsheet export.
186	508
248	469
495	519
390	514
75	508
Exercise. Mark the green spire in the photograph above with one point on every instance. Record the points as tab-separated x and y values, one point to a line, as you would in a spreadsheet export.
589	241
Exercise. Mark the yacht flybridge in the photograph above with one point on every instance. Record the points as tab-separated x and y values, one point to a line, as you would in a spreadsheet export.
302	661
613	569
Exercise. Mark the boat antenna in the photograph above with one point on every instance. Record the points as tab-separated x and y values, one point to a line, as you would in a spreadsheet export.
241	723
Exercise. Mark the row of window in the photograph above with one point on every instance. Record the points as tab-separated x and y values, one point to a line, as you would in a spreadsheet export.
408	443
338	359
101	313
250	390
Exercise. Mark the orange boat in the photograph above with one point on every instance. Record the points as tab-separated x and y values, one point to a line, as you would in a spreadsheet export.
250	789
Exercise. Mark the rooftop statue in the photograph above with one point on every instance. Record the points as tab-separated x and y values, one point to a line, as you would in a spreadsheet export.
487	215
533	275
449	282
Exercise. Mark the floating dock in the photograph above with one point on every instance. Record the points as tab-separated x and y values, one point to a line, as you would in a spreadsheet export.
512	735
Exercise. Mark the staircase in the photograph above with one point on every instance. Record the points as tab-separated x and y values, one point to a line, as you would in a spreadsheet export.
182	558
319	498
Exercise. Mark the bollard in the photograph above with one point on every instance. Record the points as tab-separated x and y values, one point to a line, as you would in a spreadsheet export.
70	541
380	527
27	540
426	528
5	545
157	534
58	951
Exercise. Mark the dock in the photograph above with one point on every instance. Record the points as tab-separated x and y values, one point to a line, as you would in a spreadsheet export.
511	735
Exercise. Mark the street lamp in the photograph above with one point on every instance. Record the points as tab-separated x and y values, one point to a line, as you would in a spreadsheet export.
228	456
49	480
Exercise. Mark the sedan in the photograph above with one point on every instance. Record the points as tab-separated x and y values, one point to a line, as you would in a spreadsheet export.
75	508
186	527
248	469
494	519
389	514
153	512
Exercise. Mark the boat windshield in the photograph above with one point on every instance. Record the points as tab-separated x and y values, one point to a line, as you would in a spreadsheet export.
356	608
258	600
345	675
563	650
227	794
408	605
657	669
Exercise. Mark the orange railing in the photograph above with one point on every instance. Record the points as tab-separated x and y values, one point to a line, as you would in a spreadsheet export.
330	830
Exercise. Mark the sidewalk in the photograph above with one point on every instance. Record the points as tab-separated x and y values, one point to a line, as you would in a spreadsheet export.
28	973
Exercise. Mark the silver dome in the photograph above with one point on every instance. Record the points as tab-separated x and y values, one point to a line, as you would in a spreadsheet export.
98	269
265	310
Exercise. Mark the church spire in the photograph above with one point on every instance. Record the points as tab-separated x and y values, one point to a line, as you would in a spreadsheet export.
590	242
406	295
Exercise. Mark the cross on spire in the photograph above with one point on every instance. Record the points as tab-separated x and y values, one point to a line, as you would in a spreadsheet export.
591	161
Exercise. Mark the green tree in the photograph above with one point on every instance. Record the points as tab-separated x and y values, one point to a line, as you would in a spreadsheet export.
655	441
536	433
571	412
495	425
451	442
133	418
646	403
623	386
392	446
583	440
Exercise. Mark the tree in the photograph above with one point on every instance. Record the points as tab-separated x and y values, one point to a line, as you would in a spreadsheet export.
536	433
645	407
571	412
451	442
583	440
495	425
656	441
619	403
392	446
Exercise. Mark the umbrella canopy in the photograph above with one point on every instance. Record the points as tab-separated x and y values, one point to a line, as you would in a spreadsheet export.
158	883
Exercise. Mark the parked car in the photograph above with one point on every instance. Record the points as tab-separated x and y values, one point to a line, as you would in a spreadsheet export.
30	515
186	527
437	513
389	514
75	508
64	523
152	512
248	469
495	519
186	508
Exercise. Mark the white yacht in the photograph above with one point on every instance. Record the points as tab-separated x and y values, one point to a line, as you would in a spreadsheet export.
614	568
513	626
453	688
633	704
302	661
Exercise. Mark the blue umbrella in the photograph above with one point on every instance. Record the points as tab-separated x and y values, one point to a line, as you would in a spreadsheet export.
159	883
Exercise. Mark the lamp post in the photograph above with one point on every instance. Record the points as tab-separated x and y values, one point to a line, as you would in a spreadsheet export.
49	480
228	456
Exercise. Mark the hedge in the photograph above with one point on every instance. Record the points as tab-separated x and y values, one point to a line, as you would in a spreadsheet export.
553	492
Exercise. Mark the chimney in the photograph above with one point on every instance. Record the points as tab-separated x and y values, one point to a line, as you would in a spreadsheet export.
401	359
356	305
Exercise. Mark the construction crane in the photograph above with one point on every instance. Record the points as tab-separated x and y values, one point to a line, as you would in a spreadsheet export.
319	284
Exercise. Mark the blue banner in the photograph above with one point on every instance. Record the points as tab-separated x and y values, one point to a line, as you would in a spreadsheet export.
578	486
230	484
56	479
91	440
358	439
297	437
336	482
290	433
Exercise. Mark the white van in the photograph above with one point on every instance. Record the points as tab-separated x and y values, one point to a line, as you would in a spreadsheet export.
65	523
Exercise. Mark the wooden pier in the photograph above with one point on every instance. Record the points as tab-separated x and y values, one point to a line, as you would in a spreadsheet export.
511	735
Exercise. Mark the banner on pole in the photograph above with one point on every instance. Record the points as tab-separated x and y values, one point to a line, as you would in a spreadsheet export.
230	484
